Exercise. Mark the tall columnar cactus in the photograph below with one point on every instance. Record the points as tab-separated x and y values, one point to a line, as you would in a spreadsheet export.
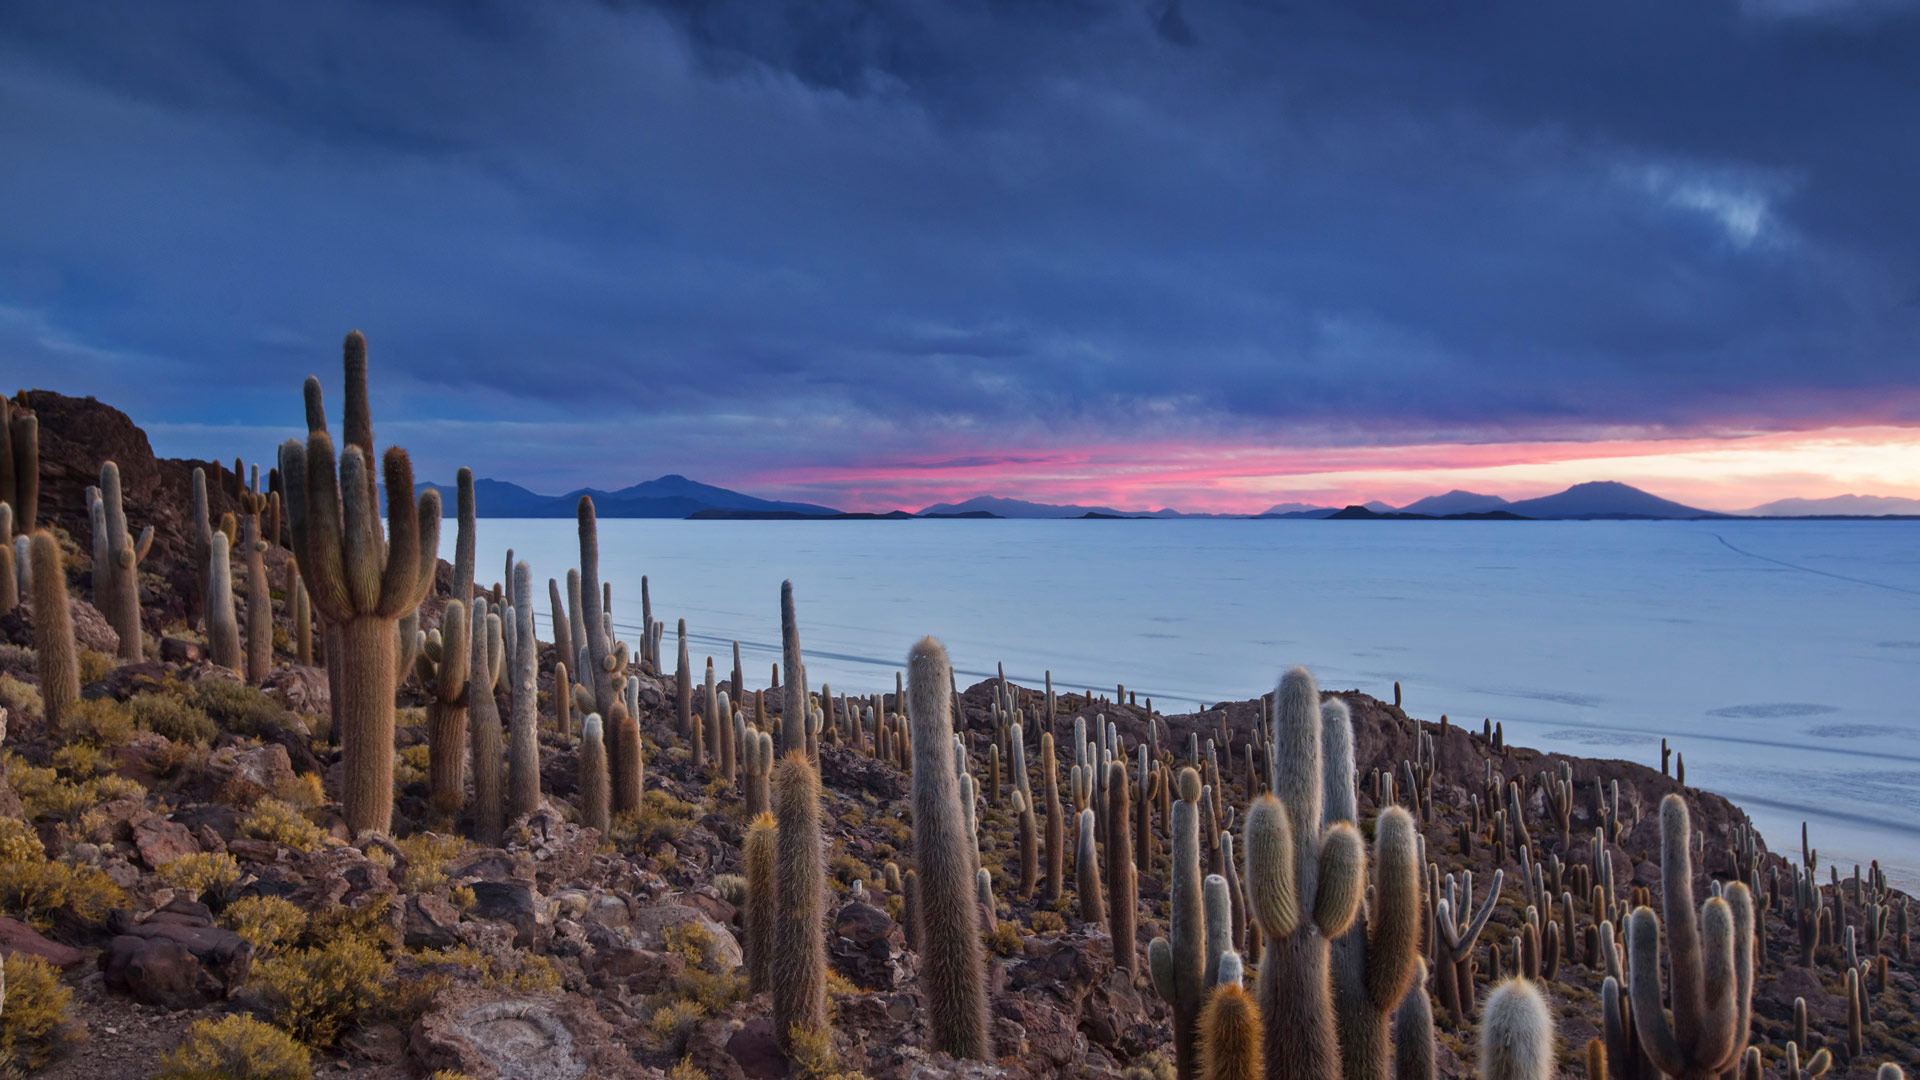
683	691
595	794
1122	880
953	969
756	759
1413	1042
442	665
56	658
523	778
1086	865
1374	959
467	531
1178	962
123	555
798	969
483	722
200	530
223	626
1516	1034
1306	879
20	465
9	573
1230	1031
606	658
359	583
1711	951
792	733
1029	844
759	854
1056	820
629	777
253	552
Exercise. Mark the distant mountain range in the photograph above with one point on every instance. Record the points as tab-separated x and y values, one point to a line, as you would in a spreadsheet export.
671	496
675	496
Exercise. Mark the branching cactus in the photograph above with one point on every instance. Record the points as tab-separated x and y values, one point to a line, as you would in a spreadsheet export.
441	664
1457	933
1230	1029
595	796
123	555
56	658
1516	1034
1178	962
1711	952
465	536
797	972
756	759
759	854
483	723
359	582
223	626
1374	959
953	967
1305	879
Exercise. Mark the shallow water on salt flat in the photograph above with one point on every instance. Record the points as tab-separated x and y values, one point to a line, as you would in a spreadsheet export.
1781	658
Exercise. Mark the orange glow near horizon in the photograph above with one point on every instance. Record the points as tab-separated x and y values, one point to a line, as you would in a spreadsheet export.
1726	473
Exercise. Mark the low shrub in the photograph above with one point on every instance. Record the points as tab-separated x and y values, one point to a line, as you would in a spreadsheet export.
236	1047
168	715
33	1025
271	819
269	923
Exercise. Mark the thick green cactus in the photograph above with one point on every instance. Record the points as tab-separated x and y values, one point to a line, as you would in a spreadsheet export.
1413	1042
223	626
759	854
358	582
1711	952
253	550
465	536
9	573
1374	959
1323	867
441	664
629	779
122	572
683	692
523	777
606	664
1178	962
1516	1034
1056	820
1086	864
483	724
797	970
56	658
756	761
595	794
794	708
200	530
953	968
1230	1029
1029	844
1123	897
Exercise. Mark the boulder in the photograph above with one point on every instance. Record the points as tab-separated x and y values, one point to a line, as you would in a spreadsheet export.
19	939
509	1035
244	775
867	947
651	923
431	922
300	689
177	959
513	903
160	841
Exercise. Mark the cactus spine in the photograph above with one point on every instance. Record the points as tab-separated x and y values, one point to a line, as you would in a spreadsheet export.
797	969
1326	865
1230	1030
358	583
1516	1034
1711	960
523	796
1373	961
223	627
1122	880
56	658
945	861
606	659
1086	864
794	708
259	598
759	855
757	760
1178	962
1029	844
1413	1043
595	798
1056	821
442	666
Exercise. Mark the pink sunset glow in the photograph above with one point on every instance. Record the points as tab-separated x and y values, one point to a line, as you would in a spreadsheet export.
1725	473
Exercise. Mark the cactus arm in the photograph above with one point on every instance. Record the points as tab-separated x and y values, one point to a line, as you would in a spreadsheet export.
1394	915
1643	988
1342	880
400	577
327	576
1268	839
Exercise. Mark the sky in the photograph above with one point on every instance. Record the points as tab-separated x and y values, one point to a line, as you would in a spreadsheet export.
1210	254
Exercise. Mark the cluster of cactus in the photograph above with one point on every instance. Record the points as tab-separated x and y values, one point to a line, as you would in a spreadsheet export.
1178	962
483	724
116	562
20	465
440	664
357	583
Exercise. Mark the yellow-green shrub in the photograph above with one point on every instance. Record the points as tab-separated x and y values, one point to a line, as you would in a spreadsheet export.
22	699
303	792
410	766
168	715
200	871
271	819
428	854
44	793
34	892
239	708
33	1024
270	923
316	991
94	666
98	721
236	1047
19	843
671	1022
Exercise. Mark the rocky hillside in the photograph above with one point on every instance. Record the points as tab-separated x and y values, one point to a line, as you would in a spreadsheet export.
182	896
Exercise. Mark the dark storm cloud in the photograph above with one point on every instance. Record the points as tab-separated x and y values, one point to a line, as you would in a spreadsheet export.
701	235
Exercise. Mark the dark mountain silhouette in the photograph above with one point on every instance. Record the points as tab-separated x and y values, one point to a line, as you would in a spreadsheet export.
1604	499
1454	502
671	496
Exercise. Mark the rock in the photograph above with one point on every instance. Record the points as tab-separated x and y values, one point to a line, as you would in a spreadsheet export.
867	947
431	922
181	651
710	903
242	775
177	959
489	864
512	903
381	1044
509	1035
651	923
300	689
90	628
706	1050
756	1052
127	680
643	970
17	938
160	841
841	768
561	851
